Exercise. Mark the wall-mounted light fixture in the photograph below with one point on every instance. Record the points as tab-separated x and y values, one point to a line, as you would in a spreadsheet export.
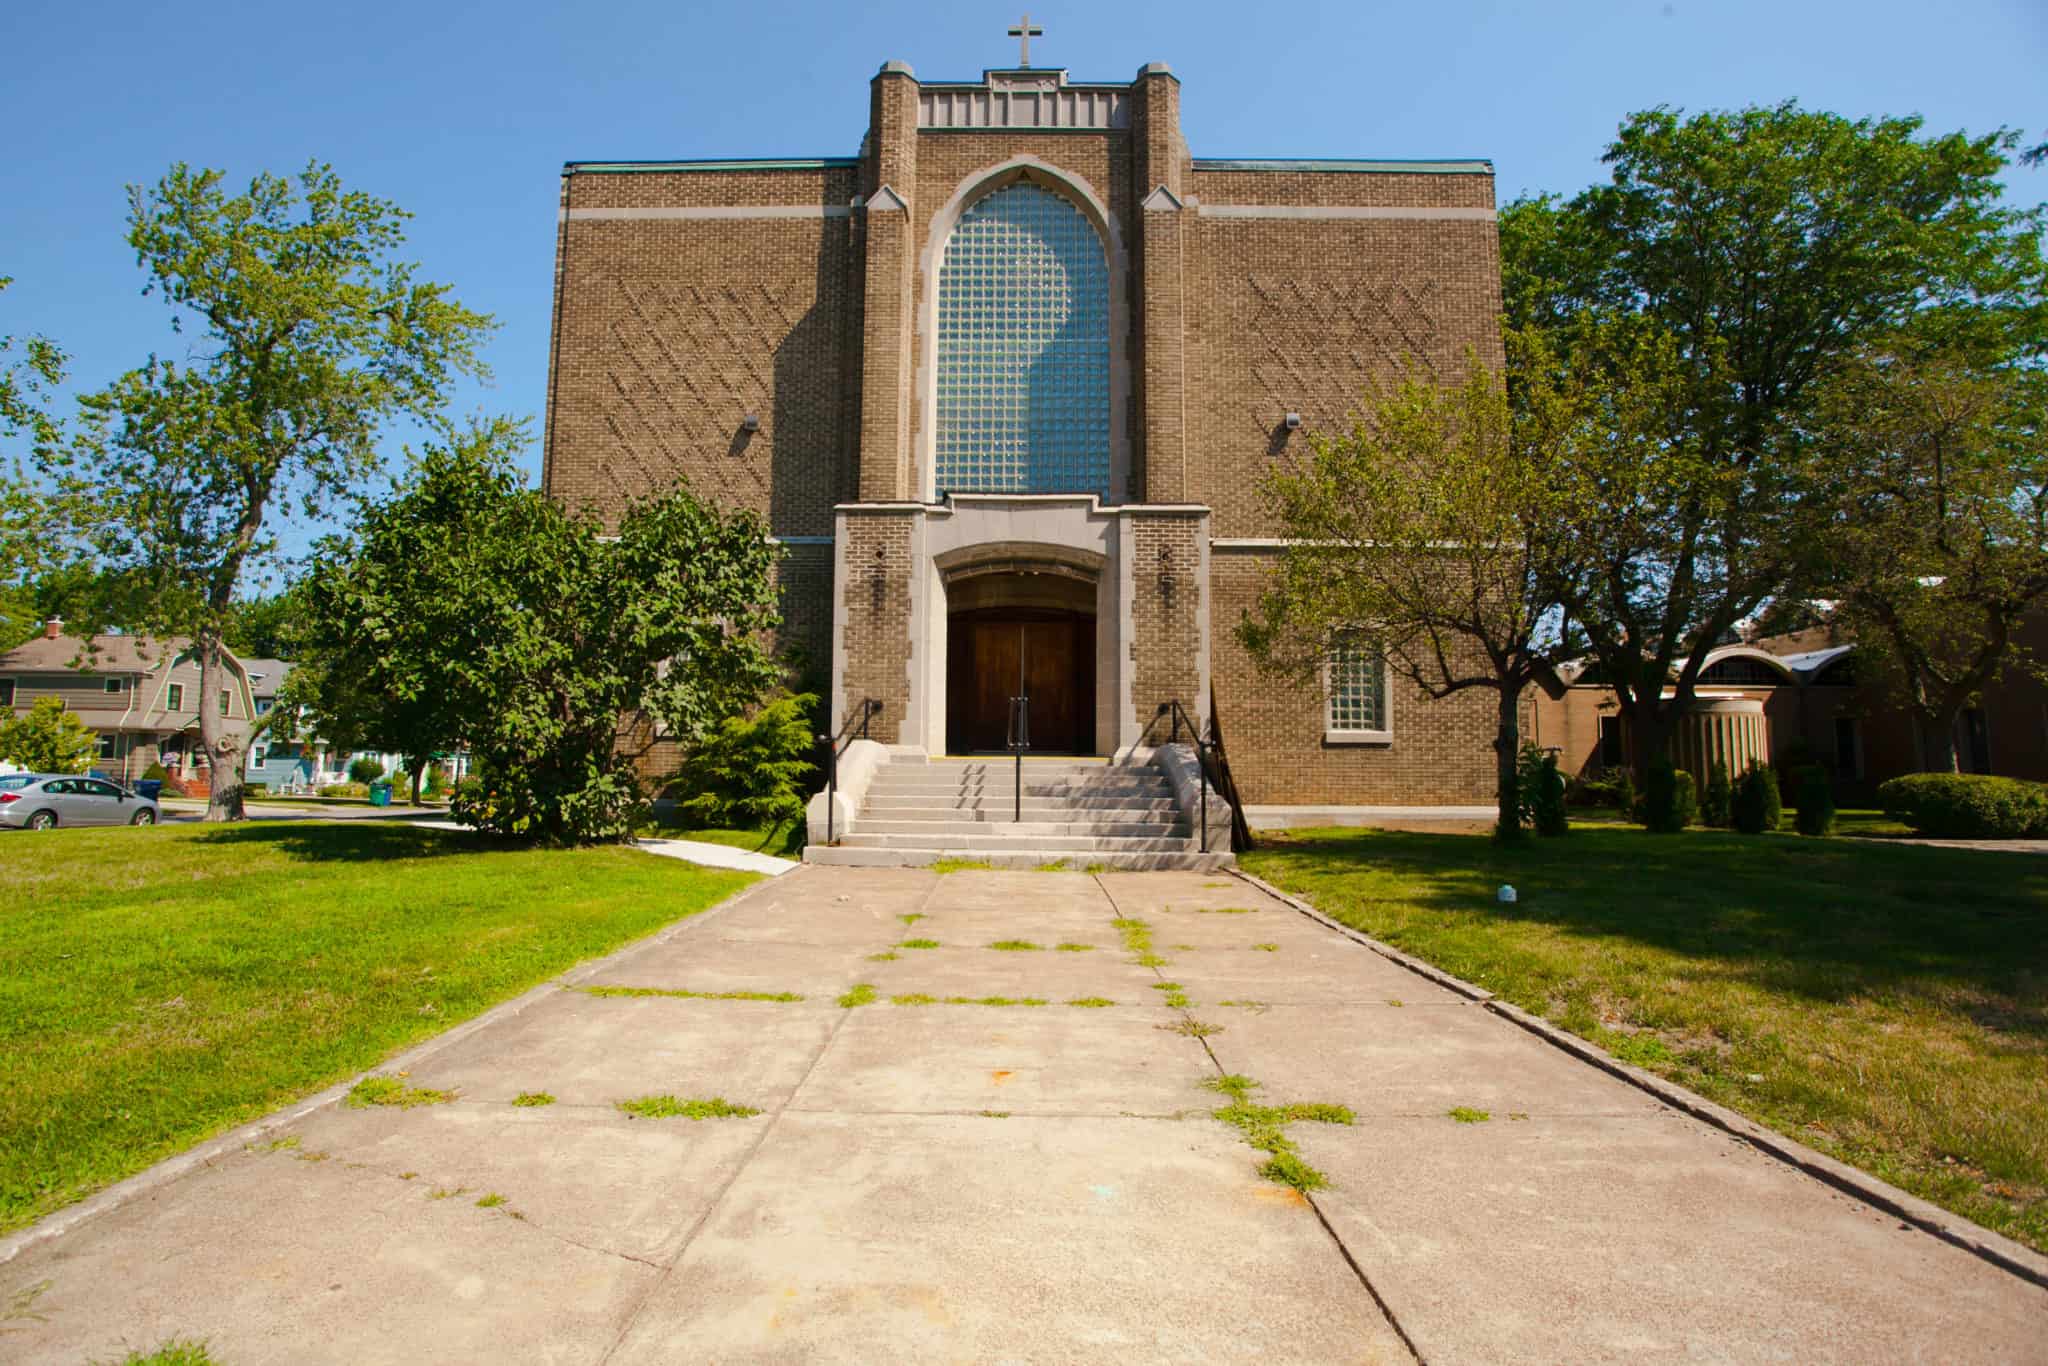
878	581
1292	422
1166	579
751	422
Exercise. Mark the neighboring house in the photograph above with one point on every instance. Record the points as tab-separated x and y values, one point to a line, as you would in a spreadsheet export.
140	694
1811	694
291	759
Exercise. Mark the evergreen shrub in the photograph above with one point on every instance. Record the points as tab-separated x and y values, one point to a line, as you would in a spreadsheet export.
1717	804
1670	799
1816	802
751	770
1757	808
365	770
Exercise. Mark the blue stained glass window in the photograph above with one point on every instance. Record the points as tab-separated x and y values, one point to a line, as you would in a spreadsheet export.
1023	349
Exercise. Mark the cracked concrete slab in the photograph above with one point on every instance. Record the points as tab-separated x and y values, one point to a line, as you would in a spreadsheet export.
969	1239
1056	1060
707	963
588	1174
1326	970
589	1050
1047	973
267	1257
1648	1238
1387	1060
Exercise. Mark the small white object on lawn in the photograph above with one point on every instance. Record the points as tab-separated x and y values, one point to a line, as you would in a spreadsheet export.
1506	895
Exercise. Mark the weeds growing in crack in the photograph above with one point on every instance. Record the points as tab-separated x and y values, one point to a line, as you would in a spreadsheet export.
1091	1002
671	1107
1176	995
393	1091
685	994
862	995
918	998
885	956
918	944
530	1099
1075	948
174	1352
491	1201
961	865
1017	946
911	917
1267	948
1265	1127
1191	1027
1226	910
1137	937
1465	1114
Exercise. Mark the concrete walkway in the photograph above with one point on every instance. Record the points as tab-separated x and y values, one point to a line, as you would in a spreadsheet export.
1028	1182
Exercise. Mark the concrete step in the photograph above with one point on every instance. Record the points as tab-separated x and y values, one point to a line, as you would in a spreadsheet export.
1121	860
1002	827
1035	808
895	786
990	838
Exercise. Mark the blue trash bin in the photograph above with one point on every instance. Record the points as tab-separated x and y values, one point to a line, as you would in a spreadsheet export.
380	794
151	788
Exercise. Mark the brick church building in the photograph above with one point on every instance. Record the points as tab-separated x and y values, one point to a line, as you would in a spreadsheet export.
1004	385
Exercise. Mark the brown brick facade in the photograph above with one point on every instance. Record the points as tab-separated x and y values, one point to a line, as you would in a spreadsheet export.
691	295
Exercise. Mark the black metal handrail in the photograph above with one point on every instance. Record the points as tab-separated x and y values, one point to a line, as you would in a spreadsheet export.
834	747
1019	740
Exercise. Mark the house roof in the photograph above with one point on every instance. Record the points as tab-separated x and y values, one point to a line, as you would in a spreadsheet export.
266	676
108	654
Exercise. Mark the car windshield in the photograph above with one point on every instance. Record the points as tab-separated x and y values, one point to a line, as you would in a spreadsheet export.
14	782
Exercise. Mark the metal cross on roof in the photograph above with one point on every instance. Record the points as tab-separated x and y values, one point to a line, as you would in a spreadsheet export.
1024	32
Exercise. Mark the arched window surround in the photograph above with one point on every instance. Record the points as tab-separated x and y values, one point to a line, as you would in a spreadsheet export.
1083	197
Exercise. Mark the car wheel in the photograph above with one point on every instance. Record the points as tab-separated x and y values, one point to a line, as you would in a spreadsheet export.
144	818
42	820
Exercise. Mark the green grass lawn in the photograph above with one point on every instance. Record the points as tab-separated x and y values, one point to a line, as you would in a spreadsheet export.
158	986
783	841
1887	1004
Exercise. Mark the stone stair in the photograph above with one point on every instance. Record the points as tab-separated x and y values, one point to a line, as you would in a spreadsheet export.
1085	812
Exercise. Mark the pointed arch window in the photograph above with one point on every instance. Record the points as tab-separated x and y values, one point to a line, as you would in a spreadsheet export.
1023	348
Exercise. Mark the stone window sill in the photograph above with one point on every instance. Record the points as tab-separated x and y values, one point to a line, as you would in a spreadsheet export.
1358	737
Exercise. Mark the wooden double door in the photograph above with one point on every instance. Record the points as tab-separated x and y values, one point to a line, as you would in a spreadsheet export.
996	654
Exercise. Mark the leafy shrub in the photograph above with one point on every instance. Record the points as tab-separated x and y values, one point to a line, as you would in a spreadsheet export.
1816	802
1551	818
1528	771
1757	807
365	770
436	783
1969	806
1717	804
256	789
401	783
156	773
345	790
751	769
553	803
1670	799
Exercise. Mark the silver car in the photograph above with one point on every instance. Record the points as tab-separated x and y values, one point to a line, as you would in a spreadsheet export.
39	801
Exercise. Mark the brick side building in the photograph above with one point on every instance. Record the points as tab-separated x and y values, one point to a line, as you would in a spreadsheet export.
1004	385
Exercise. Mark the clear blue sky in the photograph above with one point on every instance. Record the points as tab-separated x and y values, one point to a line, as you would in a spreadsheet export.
464	112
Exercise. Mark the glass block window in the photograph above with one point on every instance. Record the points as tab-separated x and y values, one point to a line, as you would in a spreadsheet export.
1357	690
1023	349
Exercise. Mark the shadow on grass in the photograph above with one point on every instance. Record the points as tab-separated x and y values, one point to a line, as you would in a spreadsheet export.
353	841
1828	920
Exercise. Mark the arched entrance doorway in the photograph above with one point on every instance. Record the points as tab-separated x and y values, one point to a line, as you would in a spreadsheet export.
1014	631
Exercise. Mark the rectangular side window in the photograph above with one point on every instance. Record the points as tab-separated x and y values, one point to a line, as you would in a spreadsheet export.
174	697
113	685
106	744
1848	748
6	692
1356	705
224	696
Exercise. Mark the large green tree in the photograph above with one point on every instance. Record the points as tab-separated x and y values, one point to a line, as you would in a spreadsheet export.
1431	530
29	366
1731	262
306	337
1939	549
468	607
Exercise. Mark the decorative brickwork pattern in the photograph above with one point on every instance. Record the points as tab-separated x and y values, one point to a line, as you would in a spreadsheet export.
1167	605
875	603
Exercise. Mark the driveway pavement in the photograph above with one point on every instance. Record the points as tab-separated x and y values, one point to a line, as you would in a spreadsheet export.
1006	1181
